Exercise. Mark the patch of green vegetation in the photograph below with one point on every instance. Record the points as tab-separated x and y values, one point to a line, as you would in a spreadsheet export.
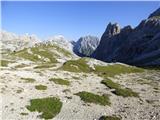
79	65
28	80
125	92
24	113
24	54
63	51
37	54
60	81
44	66
110	118
93	98
116	69
41	87
49	107
4	63
46	53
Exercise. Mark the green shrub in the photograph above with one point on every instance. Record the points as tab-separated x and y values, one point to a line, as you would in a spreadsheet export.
60	81
49	107
125	92
93	98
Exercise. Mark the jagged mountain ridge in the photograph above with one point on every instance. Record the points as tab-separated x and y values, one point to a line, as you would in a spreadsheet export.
138	46
86	45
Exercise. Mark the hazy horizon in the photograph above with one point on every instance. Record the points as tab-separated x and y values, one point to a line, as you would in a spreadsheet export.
71	19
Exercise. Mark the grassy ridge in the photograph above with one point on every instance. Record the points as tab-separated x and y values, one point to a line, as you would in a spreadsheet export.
116	69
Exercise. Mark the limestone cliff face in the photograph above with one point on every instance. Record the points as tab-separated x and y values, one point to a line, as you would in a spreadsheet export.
138	46
85	46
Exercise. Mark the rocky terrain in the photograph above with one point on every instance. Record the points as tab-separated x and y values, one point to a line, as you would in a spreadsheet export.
85	46
136	46
47	81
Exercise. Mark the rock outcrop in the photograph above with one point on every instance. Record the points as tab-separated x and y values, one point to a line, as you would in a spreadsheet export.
61	41
85	46
139	46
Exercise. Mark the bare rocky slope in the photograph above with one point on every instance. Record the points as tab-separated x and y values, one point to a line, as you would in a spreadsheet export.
138	46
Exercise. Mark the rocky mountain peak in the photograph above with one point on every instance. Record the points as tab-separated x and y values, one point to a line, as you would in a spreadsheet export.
138	46
155	14
112	29
86	45
61	41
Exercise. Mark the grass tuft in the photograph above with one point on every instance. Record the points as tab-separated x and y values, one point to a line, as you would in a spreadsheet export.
28	80
44	66
49	107
41	87
93	98
125	92
24	113
4	63
109	118
60	81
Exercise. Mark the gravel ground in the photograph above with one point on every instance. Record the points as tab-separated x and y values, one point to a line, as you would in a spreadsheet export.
146	107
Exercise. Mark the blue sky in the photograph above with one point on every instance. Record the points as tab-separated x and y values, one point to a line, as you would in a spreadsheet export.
71	19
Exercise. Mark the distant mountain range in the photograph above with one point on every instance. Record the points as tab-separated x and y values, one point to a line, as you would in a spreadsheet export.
13	42
139	46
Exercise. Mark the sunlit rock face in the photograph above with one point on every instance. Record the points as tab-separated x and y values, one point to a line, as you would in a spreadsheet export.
85	46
